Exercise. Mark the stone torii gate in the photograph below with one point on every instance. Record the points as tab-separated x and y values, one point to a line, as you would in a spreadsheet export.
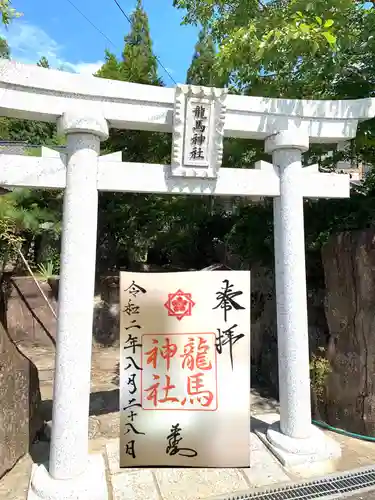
85	108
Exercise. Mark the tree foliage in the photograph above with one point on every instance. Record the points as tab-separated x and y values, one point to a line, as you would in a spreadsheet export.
130	223
265	37
43	62
138	63
4	49
201	71
8	13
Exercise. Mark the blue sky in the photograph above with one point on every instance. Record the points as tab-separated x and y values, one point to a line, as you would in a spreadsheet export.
54	29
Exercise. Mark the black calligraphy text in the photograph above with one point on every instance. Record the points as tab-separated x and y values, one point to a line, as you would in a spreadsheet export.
131	345
135	289
225	298
227	337
174	438
198	138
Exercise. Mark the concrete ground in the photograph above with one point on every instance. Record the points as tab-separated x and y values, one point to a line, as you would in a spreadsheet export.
168	484
370	495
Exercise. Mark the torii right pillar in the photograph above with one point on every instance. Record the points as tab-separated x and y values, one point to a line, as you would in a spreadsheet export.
294	439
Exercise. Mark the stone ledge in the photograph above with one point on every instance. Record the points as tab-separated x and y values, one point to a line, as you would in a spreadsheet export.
320	448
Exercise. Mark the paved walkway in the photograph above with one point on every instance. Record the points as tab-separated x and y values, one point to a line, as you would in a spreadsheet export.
370	495
167	484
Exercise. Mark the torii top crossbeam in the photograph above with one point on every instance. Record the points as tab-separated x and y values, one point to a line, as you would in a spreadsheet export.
43	94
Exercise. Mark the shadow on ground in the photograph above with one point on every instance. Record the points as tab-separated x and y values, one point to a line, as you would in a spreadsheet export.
101	403
257	425
39	452
104	402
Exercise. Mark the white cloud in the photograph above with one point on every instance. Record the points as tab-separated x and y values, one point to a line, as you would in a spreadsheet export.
28	43
83	68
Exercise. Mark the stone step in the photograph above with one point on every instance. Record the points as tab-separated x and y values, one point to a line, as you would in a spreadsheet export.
192	484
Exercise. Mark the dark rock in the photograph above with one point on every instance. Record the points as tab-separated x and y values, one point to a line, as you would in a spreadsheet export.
20	399
54	286
349	266
263	329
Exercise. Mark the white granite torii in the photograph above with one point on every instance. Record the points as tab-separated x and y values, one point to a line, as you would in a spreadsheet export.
85	107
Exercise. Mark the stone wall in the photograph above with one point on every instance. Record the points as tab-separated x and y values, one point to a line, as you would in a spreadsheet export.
20	417
30	320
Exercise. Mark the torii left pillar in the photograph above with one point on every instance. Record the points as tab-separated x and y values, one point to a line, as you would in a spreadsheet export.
73	473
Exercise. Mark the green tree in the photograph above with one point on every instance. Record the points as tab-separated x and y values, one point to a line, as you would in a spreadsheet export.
149	228
238	153
33	132
8	13
43	62
129	223
201	70
266	37
303	64
139	62
138	65
4	49
4	122
111	68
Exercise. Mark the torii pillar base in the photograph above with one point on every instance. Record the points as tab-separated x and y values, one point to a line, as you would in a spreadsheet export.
91	485
317	448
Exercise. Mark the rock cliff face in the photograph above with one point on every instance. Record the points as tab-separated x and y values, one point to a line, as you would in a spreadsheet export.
263	328
349	267
341	320
20	418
